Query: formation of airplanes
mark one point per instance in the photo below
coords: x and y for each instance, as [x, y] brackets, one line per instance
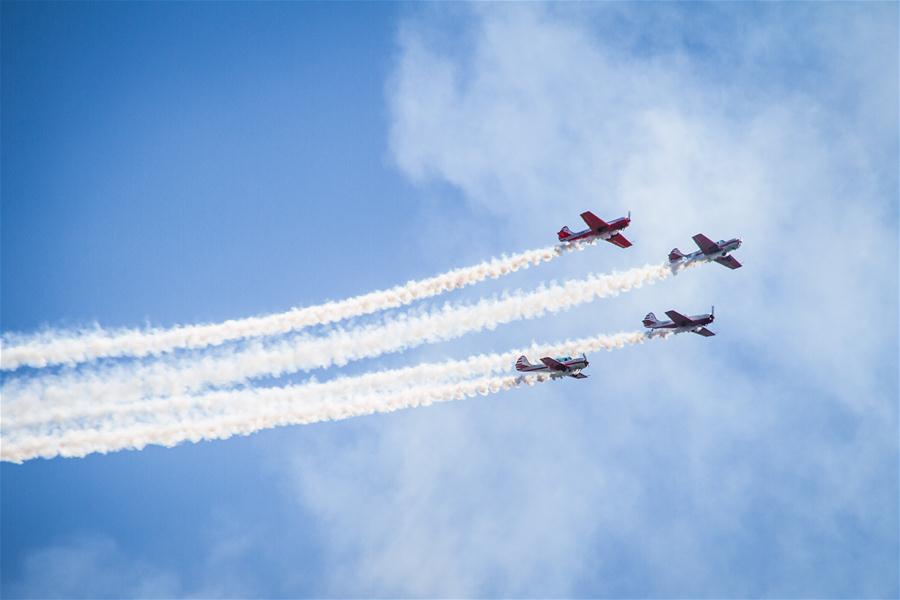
[567, 366]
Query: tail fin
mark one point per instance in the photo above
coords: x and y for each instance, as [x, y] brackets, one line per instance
[564, 234]
[522, 364]
[675, 255]
[650, 319]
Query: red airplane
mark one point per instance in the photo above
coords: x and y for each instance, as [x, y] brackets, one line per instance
[600, 229]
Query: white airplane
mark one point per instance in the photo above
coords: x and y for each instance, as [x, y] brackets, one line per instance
[709, 250]
[681, 323]
[561, 366]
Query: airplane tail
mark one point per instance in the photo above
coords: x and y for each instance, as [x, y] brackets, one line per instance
[522, 364]
[675, 255]
[564, 233]
[650, 319]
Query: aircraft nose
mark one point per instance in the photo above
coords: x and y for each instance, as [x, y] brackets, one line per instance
[739, 242]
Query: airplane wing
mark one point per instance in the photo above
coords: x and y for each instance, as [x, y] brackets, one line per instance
[578, 375]
[729, 261]
[707, 245]
[679, 319]
[704, 332]
[553, 365]
[593, 221]
[619, 240]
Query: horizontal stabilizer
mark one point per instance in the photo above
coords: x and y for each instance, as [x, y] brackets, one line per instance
[675, 255]
[729, 261]
[619, 240]
[704, 332]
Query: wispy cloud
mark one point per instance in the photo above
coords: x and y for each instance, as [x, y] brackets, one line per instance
[756, 464]
[89, 567]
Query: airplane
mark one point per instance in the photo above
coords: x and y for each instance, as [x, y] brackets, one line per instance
[709, 250]
[680, 323]
[600, 229]
[561, 366]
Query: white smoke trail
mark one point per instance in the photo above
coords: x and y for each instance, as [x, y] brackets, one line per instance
[70, 348]
[280, 409]
[176, 376]
[117, 415]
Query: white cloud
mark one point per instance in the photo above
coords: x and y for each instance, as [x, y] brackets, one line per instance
[89, 567]
[99, 566]
[762, 462]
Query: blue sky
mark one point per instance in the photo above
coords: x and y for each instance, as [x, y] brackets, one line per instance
[178, 163]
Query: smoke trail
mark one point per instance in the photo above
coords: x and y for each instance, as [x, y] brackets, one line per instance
[114, 415]
[179, 375]
[71, 348]
[280, 409]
